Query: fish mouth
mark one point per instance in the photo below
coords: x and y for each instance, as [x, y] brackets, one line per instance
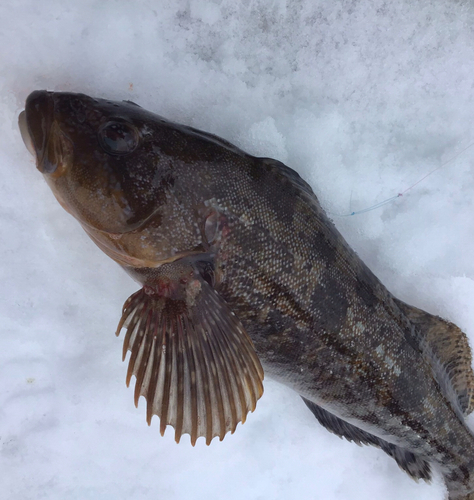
[41, 134]
[25, 133]
[35, 123]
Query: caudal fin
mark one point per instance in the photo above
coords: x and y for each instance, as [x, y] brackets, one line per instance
[448, 351]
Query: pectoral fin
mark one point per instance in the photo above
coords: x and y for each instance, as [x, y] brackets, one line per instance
[193, 361]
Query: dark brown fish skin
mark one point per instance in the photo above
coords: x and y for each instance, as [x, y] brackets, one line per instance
[320, 321]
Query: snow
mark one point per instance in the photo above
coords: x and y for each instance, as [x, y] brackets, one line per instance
[363, 98]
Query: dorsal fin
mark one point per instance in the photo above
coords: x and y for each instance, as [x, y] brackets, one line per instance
[450, 346]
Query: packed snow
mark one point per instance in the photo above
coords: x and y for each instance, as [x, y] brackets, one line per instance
[363, 98]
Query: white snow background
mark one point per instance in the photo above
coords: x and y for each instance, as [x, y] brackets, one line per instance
[363, 98]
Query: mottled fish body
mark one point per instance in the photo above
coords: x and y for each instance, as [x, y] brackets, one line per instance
[242, 274]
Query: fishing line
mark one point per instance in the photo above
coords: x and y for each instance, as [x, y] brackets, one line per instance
[401, 193]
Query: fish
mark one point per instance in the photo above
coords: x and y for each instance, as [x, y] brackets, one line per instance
[243, 275]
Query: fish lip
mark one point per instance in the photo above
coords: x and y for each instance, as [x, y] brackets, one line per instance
[25, 133]
[36, 122]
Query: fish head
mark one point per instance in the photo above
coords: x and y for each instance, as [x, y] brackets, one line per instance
[93, 153]
[101, 160]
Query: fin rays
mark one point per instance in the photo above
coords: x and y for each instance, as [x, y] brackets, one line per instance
[195, 365]
[450, 354]
[414, 465]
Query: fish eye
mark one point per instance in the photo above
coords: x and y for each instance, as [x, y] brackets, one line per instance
[118, 138]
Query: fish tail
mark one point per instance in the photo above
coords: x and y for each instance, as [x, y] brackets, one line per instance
[450, 356]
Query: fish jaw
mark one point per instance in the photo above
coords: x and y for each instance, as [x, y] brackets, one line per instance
[45, 140]
[35, 123]
[132, 251]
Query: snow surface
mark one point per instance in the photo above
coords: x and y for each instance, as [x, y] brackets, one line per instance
[363, 98]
